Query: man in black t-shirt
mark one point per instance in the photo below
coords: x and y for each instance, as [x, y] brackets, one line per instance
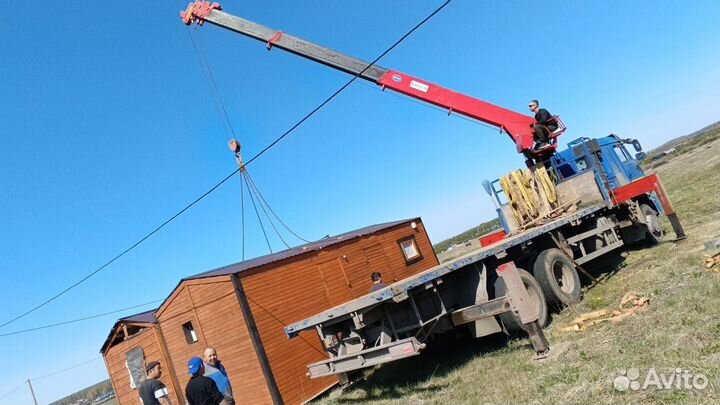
[152, 391]
[544, 126]
[201, 390]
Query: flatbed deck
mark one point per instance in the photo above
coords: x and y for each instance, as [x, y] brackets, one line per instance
[399, 288]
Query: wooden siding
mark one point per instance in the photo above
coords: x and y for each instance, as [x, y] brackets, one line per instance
[301, 287]
[212, 307]
[115, 362]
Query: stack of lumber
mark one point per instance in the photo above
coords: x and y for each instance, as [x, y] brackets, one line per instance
[533, 196]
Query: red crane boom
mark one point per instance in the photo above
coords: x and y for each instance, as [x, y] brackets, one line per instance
[517, 126]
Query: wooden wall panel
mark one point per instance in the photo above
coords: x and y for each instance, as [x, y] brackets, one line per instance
[212, 307]
[278, 294]
[115, 360]
[224, 329]
[297, 288]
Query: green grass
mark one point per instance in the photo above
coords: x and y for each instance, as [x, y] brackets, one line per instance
[681, 328]
[472, 233]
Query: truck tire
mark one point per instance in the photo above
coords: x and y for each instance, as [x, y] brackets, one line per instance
[654, 233]
[509, 320]
[556, 274]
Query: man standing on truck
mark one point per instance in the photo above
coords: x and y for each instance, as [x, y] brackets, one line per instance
[544, 126]
[378, 284]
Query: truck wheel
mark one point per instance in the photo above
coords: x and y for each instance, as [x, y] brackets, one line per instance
[557, 276]
[654, 232]
[510, 321]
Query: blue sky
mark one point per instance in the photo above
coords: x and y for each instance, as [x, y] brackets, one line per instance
[107, 128]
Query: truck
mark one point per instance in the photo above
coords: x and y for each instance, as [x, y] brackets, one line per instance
[507, 285]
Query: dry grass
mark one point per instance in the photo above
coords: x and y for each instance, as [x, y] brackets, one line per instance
[680, 329]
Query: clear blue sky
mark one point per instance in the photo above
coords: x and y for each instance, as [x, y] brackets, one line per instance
[107, 128]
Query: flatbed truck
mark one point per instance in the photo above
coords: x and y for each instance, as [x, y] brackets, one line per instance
[508, 285]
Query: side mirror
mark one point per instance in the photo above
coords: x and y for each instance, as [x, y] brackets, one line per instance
[636, 145]
[640, 156]
[487, 187]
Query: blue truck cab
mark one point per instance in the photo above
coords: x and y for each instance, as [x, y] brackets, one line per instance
[612, 164]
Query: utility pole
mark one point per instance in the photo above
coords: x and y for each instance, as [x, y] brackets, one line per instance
[32, 392]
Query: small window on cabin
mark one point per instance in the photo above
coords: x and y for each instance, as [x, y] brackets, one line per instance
[410, 250]
[190, 335]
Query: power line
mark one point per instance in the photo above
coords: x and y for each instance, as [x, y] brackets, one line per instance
[349, 82]
[76, 320]
[66, 369]
[263, 151]
[12, 390]
[123, 253]
[49, 375]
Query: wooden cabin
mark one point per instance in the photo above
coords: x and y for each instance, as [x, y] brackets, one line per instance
[134, 341]
[241, 310]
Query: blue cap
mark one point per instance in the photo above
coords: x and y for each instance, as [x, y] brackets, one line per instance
[194, 365]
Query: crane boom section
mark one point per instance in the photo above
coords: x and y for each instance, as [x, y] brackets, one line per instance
[517, 126]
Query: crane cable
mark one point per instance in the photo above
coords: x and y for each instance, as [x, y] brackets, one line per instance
[257, 213]
[250, 188]
[212, 86]
[221, 182]
[257, 190]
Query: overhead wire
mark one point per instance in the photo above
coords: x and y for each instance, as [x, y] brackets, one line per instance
[123, 253]
[17, 332]
[50, 375]
[66, 369]
[226, 178]
[13, 390]
[348, 83]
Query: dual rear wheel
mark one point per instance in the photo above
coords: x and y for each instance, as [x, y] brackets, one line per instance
[554, 281]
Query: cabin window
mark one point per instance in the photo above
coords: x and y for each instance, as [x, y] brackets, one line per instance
[410, 250]
[190, 335]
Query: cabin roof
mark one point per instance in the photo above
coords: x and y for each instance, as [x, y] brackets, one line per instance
[298, 250]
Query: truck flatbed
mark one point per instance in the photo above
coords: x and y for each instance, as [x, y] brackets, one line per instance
[396, 291]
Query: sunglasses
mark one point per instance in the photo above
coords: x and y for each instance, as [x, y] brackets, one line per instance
[532, 106]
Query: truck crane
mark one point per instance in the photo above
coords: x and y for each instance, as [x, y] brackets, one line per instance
[518, 127]
[507, 285]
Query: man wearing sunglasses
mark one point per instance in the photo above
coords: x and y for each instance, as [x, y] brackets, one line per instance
[544, 126]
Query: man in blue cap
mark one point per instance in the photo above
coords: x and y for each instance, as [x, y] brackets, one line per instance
[201, 390]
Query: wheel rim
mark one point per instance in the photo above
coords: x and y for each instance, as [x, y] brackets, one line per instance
[563, 277]
[534, 296]
[653, 225]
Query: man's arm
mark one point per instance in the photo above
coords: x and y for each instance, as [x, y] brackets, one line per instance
[164, 401]
[223, 402]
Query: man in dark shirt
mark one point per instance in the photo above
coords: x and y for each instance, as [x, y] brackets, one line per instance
[544, 126]
[377, 282]
[152, 391]
[201, 390]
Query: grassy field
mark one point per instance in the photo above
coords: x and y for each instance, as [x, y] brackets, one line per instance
[680, 330]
